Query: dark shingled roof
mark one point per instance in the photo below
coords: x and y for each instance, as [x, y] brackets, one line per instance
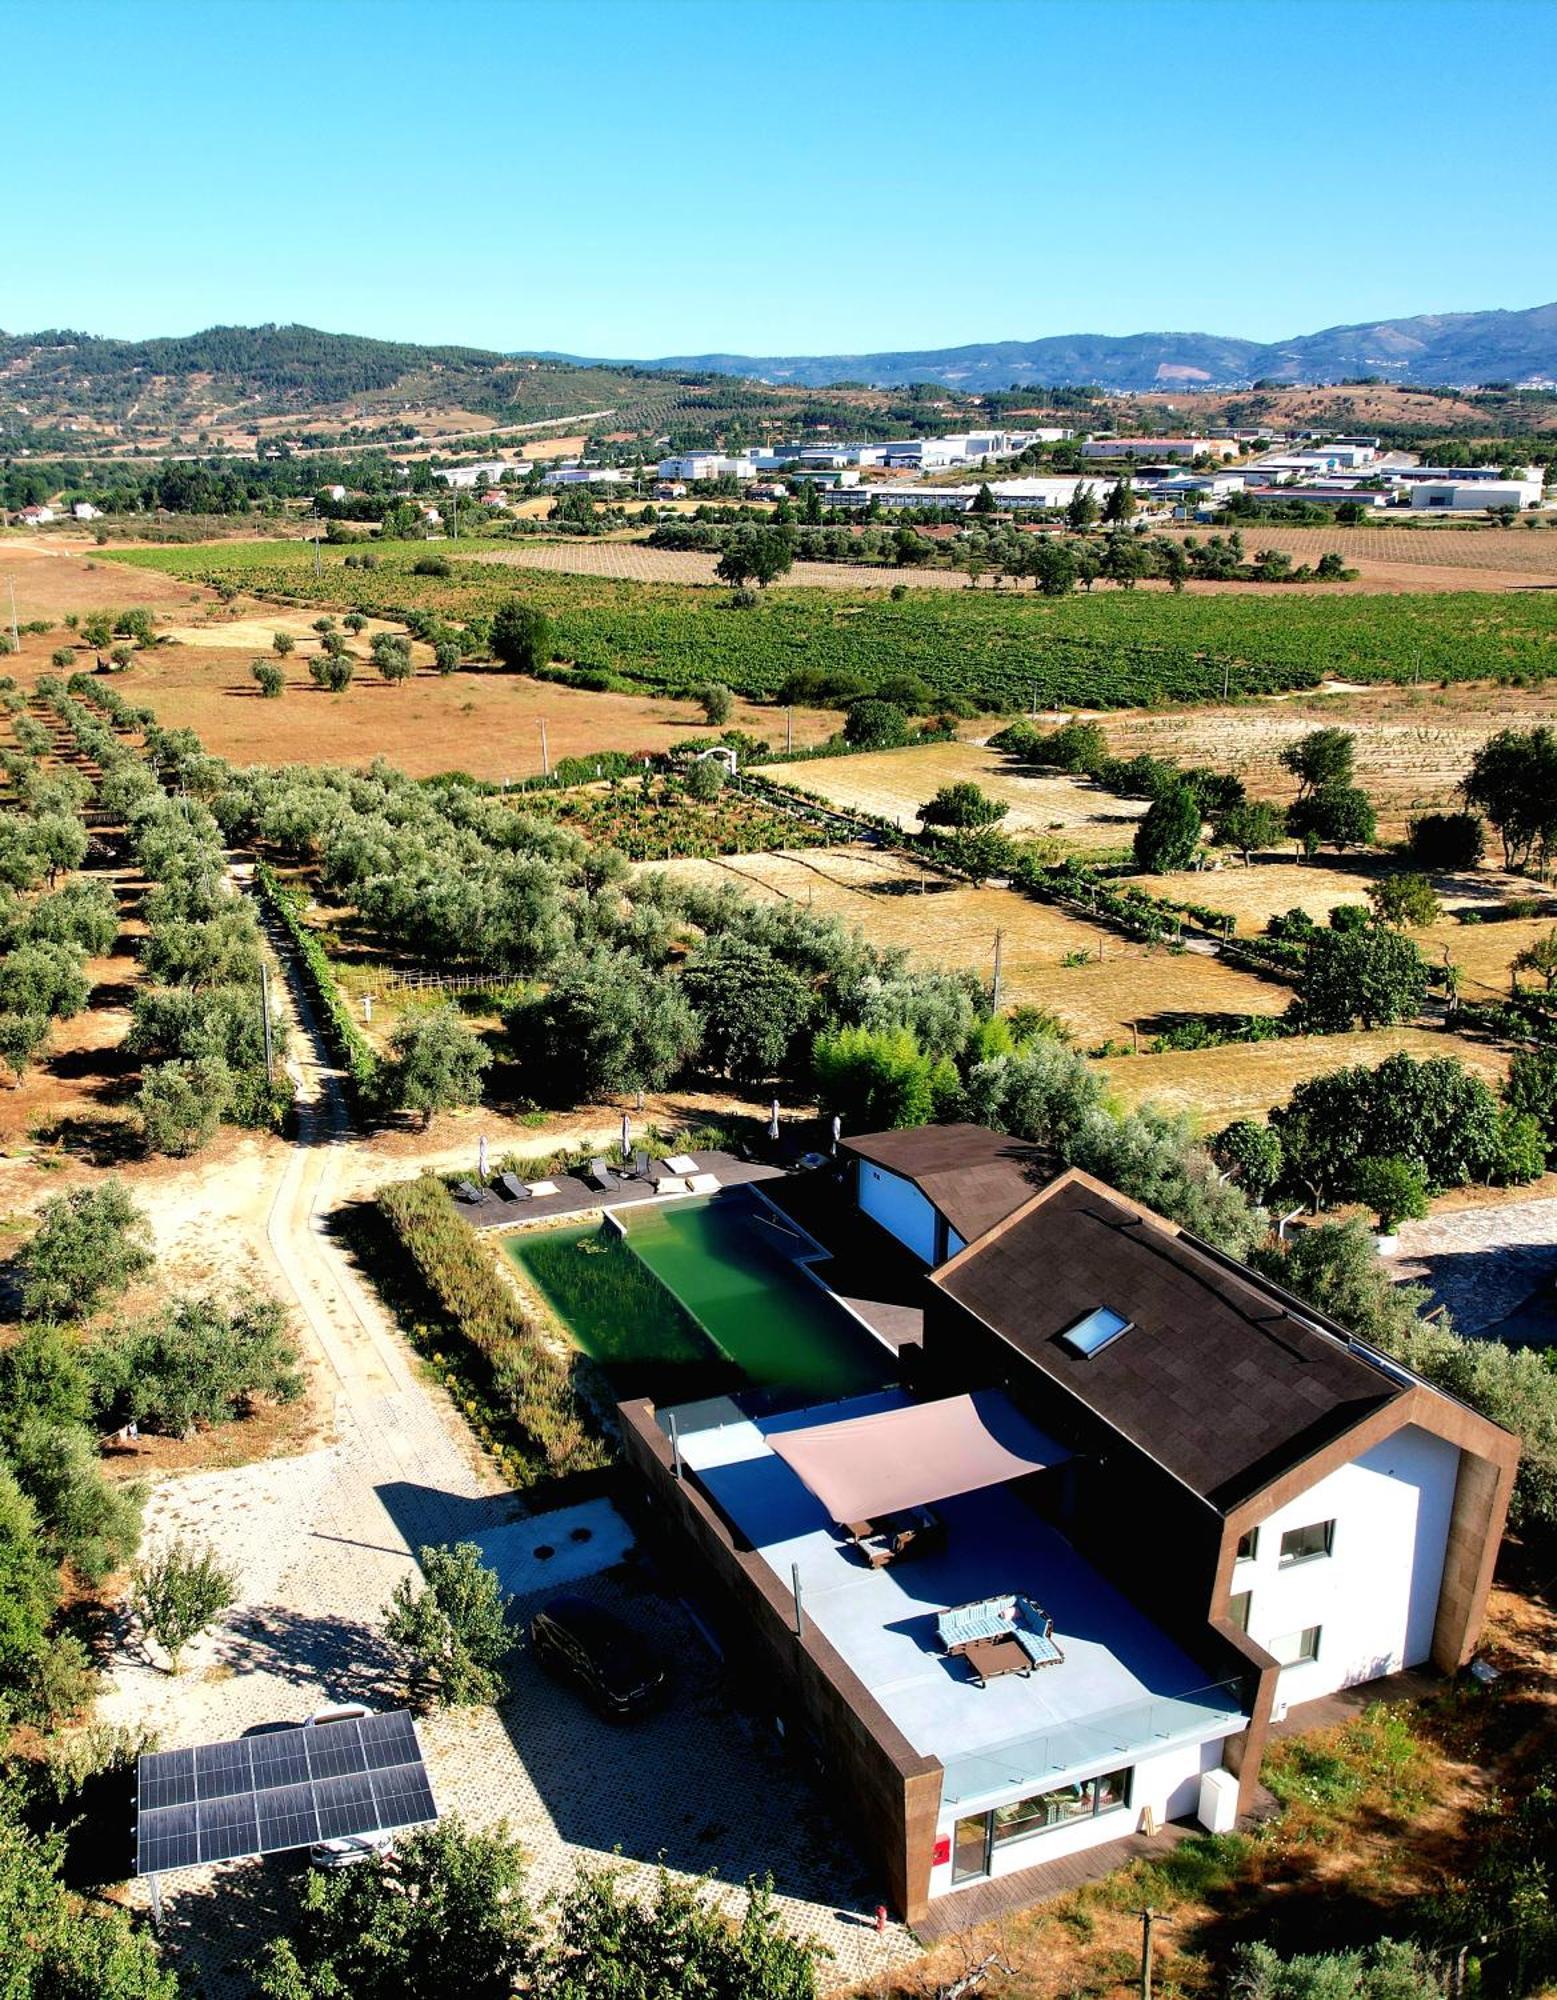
[973, 1176]
[1219, 1379]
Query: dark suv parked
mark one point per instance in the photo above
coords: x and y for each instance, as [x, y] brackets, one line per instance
[613, 1667]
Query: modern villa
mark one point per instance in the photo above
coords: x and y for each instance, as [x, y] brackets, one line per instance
[1121, 1503]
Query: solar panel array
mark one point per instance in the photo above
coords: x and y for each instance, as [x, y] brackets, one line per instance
[264, 1794]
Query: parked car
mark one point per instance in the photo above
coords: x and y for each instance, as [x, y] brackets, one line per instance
[589, 1645]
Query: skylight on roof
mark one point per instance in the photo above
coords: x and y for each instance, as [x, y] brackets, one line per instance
[1093, 1333]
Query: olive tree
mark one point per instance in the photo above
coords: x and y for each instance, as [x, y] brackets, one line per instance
[89, 1246]
[436, 1063]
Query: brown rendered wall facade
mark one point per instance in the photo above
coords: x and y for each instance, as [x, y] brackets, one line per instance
[890, 1790]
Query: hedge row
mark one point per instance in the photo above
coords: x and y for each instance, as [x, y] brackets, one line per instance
[350, 1044]
[530, 1377]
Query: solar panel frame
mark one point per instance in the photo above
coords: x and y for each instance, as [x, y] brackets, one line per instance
[402, 1796]
[165, 1778]
[288, 1818]
[284, 1789]
[229, 1826]
[280, 1759]
[335, 1751]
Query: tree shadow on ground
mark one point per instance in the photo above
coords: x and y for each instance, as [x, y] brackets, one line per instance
[100, 1139]
[348, 1657]
[218, 1921]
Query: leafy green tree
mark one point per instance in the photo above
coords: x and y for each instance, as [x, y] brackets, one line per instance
[29, 1587]
[1540, 956]
[60, 1947]
[1320, 760]
[89, 1246]
[716, 701]
[1338, 816]
[522, 636]
[1082, 509]
[179, 1592]
[84, 1520]
[1531, 1088]
[1126, 560]
[436, 1062]
[963, 806]
[446, 654]
[1251, 1153]
[21, 1038]
[1052, 566]
[704, 779]
[1396, 1191]
[612, 1944]
[392, 656]
[1406, 901]
[83, 914]
[1168, 836]
[1513, 779]
[1249, 828]
[181, 1104]
[1375, 978]
[874, 1079]
[453, 1632]
[1119, 503]
[272, 681]
[871, 724]
[333, 672]
[753, 1009]
[44, 978]
[443, 1914]
[355, 623]
[1437, 1114]
[283, 644]
[1074, 746]
[194, 1363]
[609, 1023]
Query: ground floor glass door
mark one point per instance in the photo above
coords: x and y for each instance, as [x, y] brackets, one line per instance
[970, 1848]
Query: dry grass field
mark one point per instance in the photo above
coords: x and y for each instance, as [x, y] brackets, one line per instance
[1414, 745]
[1119, 988]
[626, 561]
[53, 578]
[895, 783]
[1215, 1086]
[486, 724]
[1254, 895]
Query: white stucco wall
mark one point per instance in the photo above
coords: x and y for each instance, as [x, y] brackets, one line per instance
[899, 1207]
[1376, 1594]
[1169, 1784]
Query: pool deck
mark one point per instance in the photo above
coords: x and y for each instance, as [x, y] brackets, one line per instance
[577, 1197]
[879, 1281]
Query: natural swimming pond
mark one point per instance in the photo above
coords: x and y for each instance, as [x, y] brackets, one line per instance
[698, 1297]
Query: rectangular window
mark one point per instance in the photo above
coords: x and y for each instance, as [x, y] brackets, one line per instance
[1301, 1545]
[1064, 1806]
[1238, 1609]
[1293, 1648]
[1091, 1334]
[1248, 1545]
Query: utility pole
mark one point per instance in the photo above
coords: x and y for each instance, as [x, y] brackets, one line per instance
[994, 992]
[545, 759]
[16, 637]
[318, 562]
[1149, 1918]
[789, 729]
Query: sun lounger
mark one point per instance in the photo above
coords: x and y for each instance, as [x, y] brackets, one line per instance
[703, 1183]
[513, 1187]
[600, 1174]
[681, 1163]
[671, 1184]
[468, 1191]
[540, 1188]
[640, 1166]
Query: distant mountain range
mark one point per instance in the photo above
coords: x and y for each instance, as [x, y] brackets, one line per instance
[1432, 350]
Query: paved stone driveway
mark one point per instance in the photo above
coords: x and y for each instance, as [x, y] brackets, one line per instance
[1484, 1264]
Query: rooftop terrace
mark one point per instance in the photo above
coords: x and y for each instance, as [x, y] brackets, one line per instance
[1124, 1689]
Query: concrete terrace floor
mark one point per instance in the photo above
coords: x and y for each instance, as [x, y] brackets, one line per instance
[883, 1621]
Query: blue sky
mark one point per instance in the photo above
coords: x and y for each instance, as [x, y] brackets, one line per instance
[817, 176]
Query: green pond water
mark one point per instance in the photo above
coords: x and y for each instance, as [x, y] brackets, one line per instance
[697, 1299]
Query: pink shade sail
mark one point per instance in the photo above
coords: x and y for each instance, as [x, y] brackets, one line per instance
[864, 1467]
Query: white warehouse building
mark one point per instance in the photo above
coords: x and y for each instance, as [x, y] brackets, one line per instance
[1455, 494]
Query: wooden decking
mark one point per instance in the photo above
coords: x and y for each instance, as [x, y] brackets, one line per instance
[982, 1902]
[1413, 1684]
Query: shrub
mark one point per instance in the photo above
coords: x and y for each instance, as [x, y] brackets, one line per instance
[1167, 837]
[272, 681]
[1407, 901]
[1396, 1191]
[530, 1372]
[521, 636]
[962, 806]
[1447, 842]
[431, 566]
[1251, 1154]
[716, 701]
[195, 1363]
[871, 724]
[180, 1104]
[437, 1063]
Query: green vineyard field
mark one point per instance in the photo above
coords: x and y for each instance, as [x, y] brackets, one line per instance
[1002, 650]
